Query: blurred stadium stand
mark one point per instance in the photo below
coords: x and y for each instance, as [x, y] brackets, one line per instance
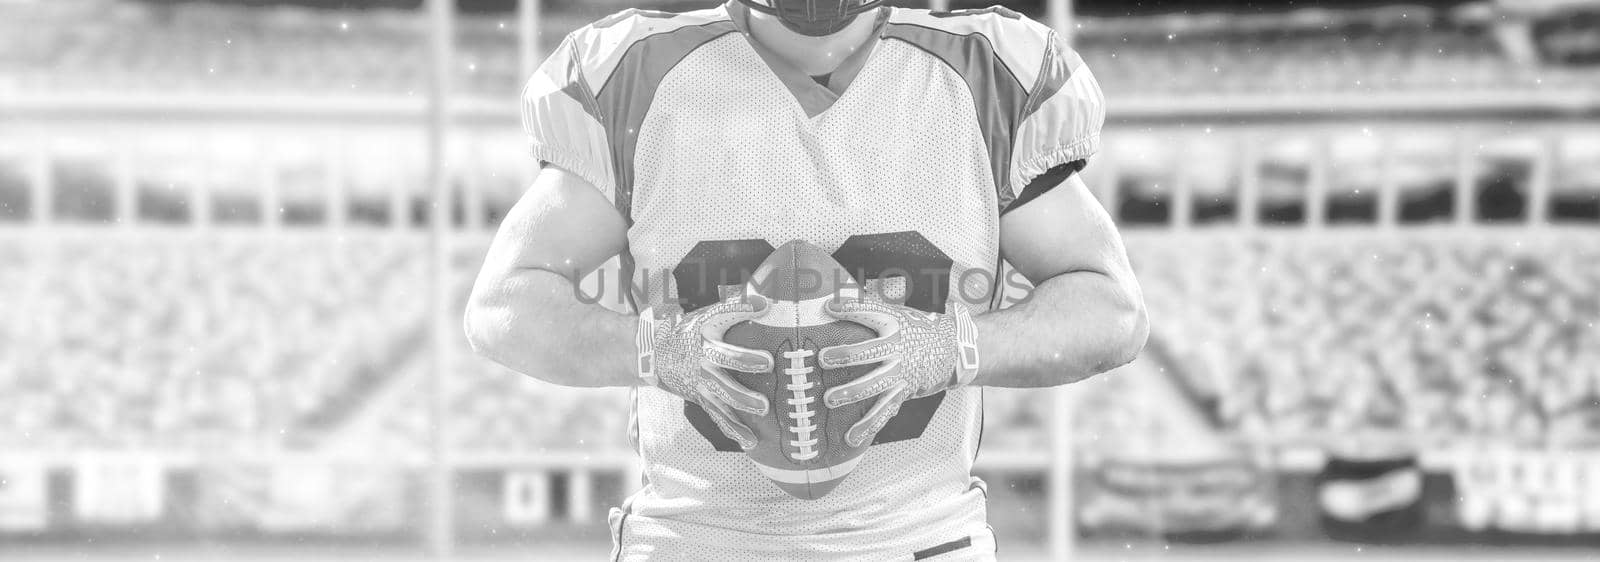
[1317, 270]
[122, 47]
[1458, 335]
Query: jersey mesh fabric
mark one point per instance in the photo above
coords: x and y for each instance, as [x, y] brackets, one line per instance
[727, 154]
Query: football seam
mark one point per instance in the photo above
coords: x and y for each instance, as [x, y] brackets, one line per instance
[801, 413]
[804, 440]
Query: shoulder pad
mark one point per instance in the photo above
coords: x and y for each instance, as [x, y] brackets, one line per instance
[1019, 42]
[600, 46]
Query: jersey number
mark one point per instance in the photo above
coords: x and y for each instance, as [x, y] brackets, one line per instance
[709, 266]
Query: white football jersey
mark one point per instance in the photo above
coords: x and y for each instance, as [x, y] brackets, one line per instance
[716, 152]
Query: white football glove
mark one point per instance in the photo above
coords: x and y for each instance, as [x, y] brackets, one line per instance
[920, 354]
[684, 354]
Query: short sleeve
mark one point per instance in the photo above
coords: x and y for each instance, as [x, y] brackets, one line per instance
[562, 121]
[1062, 119]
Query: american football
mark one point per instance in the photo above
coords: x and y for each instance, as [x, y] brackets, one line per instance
[800, 442]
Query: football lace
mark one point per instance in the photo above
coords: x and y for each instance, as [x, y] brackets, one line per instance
[802, 414]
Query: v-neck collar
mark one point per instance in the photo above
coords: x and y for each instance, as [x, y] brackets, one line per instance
[815, 99]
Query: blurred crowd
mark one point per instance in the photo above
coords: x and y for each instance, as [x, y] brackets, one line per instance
[173, 340]
[1411, 54]
[230, 342]
[101, 47]
[1464, 334]
[131, 47]
[498, 410]
[246, 342]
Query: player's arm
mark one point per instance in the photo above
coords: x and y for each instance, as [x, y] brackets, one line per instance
[1086, 313]
[524, 311]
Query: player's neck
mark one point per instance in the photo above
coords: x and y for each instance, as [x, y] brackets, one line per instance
[815, 56]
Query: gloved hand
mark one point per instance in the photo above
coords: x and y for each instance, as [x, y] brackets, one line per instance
[683, 353]
[919, 354]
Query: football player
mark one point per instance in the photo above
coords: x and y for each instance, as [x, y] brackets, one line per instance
[690, 144]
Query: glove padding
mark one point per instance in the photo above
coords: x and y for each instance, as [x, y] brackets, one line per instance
[683, 353]
[920, 354]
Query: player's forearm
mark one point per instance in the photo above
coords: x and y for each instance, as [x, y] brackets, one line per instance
[1073, 326]
[532, 322]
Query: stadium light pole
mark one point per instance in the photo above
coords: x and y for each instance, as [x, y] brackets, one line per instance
[1059, 14]
[1062, 533]
[528, 36]
[441, 15]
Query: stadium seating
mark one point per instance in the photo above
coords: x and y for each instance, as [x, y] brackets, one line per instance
[87, 46]
[207, 49]
[1487, 335]
[1333, 60]
[494, 410]
[176, 340]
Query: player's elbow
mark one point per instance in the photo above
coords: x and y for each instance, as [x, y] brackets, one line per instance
[488, 331]
[1134, 331]
[478, 327]
[1126, 330]
[511, 337]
